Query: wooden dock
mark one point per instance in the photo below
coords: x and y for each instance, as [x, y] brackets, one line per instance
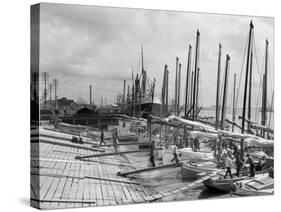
[66, 182]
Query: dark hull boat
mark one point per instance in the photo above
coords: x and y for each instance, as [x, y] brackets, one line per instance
[221, 185]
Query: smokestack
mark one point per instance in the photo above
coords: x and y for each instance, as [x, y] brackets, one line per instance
[90, 94]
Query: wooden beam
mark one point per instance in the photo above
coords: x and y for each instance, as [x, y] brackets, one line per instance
[78, 146]
[64, 201]
[112, 180]
[113, 153]
[124, 174]
[122, 144]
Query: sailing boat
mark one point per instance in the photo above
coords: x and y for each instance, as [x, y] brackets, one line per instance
[141, 102]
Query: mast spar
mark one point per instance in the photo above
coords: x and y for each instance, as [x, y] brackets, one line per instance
[246, 85]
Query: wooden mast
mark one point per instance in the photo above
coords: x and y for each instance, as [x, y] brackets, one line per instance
[233, 103]
[176, 86]
[224, 99]
[264, 102]
[195, 74]
[191, 92]
[179, 89]
[163, 94]
[250, 92]
[186, 105]
[123, 99]
[197, 92]
[167, 89]
[245, 86]
[218, 89]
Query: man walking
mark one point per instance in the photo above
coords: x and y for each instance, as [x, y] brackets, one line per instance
[239, 163]
[228, 165]
[102, 137]
[151, 153]
[115, 139]
[252, 165]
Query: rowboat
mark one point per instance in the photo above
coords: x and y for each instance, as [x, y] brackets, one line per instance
[218, 184]
[192, 170]
[257, 186]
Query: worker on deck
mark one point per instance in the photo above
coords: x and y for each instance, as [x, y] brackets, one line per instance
[115, 137]
[228, 165]
[239, 163]
[151, 153]
[176, 154]
[259, 166]
[196, 144]
[80, 139]
[102, 137]
[250, 160]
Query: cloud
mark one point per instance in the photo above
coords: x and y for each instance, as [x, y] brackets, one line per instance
[83, 45]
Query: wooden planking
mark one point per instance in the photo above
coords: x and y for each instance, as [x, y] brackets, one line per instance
[60, 161]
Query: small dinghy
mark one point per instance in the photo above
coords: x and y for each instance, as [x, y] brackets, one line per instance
[218, 184]
[255, 186]
[193, 170]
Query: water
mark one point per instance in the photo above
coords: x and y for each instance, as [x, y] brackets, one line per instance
[255, 115]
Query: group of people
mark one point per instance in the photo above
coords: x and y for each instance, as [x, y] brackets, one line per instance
[77, 140]
[115, 139]
[228, 153]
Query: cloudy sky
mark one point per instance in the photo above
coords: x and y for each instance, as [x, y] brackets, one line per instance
[83, 45]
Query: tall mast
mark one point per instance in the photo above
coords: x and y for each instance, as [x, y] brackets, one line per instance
[250, 91]
[167, 89]
[246, 85]
[45, 88]
[218, 89]
[264, 117]
[123, 99]
[186, 105]
[176, 86]
[133, 100]
[195, 74]
[90, 94]
[191, 91]
[163, 94]
[56, 97]
[50, 87]
[143, 85]
[197, 91]
[224, 99]
[179, 88]
[233, 103]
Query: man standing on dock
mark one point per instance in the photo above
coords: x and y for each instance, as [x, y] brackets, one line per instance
[239, 163]
[151, 152]
[228, 164]
[102, 137]
[176, 154]
[250, 160]
[115, 139]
